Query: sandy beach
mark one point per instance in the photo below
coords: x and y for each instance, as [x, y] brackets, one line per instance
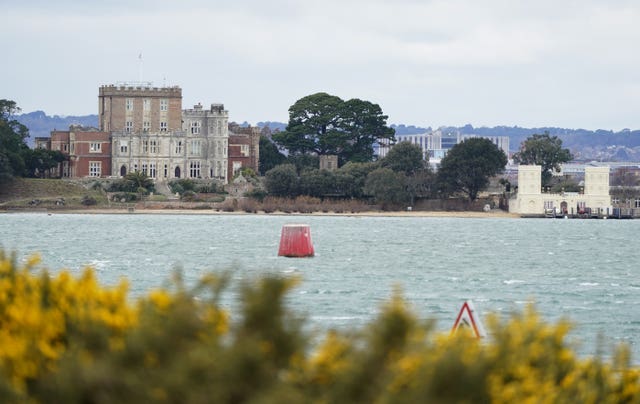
[137, 211]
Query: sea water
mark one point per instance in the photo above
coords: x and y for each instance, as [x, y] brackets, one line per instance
[583, 270]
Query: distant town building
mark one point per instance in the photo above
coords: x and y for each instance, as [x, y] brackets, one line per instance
[435, 144]
[428, 142]
[501, 141]
[381, 147]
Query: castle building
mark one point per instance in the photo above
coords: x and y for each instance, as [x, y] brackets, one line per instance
[208, 136]
[139, 108]
[244, 143]
[89, 152]
[151, 133]
[144, 128]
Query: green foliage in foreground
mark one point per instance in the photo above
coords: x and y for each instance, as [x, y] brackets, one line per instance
[66, 339]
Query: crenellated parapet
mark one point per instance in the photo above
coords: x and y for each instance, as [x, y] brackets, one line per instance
[138, 90]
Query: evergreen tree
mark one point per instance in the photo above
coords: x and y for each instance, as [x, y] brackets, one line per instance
[468, 166]
[13, 144]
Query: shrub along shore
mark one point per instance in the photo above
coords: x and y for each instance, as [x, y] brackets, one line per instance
[62, 196]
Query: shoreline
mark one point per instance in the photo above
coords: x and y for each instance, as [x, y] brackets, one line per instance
[136, 211]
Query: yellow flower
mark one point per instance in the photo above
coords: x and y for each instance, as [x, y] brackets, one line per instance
[160, 299]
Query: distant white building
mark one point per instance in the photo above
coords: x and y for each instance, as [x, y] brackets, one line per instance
[436, 144]
[501, 141]
[530, 200]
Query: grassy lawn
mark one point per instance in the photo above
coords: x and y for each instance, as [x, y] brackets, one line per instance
[22, 192]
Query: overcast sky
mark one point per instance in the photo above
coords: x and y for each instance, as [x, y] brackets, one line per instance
[573, 64]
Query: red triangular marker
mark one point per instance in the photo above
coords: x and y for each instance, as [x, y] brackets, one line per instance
[467, 318]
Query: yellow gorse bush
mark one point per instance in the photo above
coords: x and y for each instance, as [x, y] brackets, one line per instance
[65, 338]
[38, 313]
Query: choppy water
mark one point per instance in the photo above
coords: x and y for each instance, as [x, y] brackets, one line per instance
[586, 270]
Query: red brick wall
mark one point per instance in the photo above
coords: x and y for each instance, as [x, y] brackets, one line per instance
[79, 151]
[83, 155]
[235, 152]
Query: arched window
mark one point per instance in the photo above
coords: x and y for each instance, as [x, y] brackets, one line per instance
[123, 171]
[177, 172]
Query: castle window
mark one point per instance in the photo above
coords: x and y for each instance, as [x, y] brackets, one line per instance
[95, 147]
[195, 147]
[95, 168]
[128, 126]
[637, 203]
[195, 128]
[144, 168]
[237, 165]
[129, 104]
[145, 146]
[146, 104]
[153, 145]
[164, 104]
[194, 169]
[179, 147]
[146, 125]
[152, 170]
[123, 147]
[163, 126]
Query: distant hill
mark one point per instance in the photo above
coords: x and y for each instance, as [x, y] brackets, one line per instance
[40, 124]
[273, 125]
[604, 145]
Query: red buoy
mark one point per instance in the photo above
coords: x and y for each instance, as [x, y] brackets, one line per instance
[295, 241]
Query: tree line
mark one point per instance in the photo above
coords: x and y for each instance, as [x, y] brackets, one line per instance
[321, 124]
[324, 124]
[16, 158]
[397, 179]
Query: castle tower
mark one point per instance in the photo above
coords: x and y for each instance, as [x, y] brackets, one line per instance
[139, 108]
[207, 133]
